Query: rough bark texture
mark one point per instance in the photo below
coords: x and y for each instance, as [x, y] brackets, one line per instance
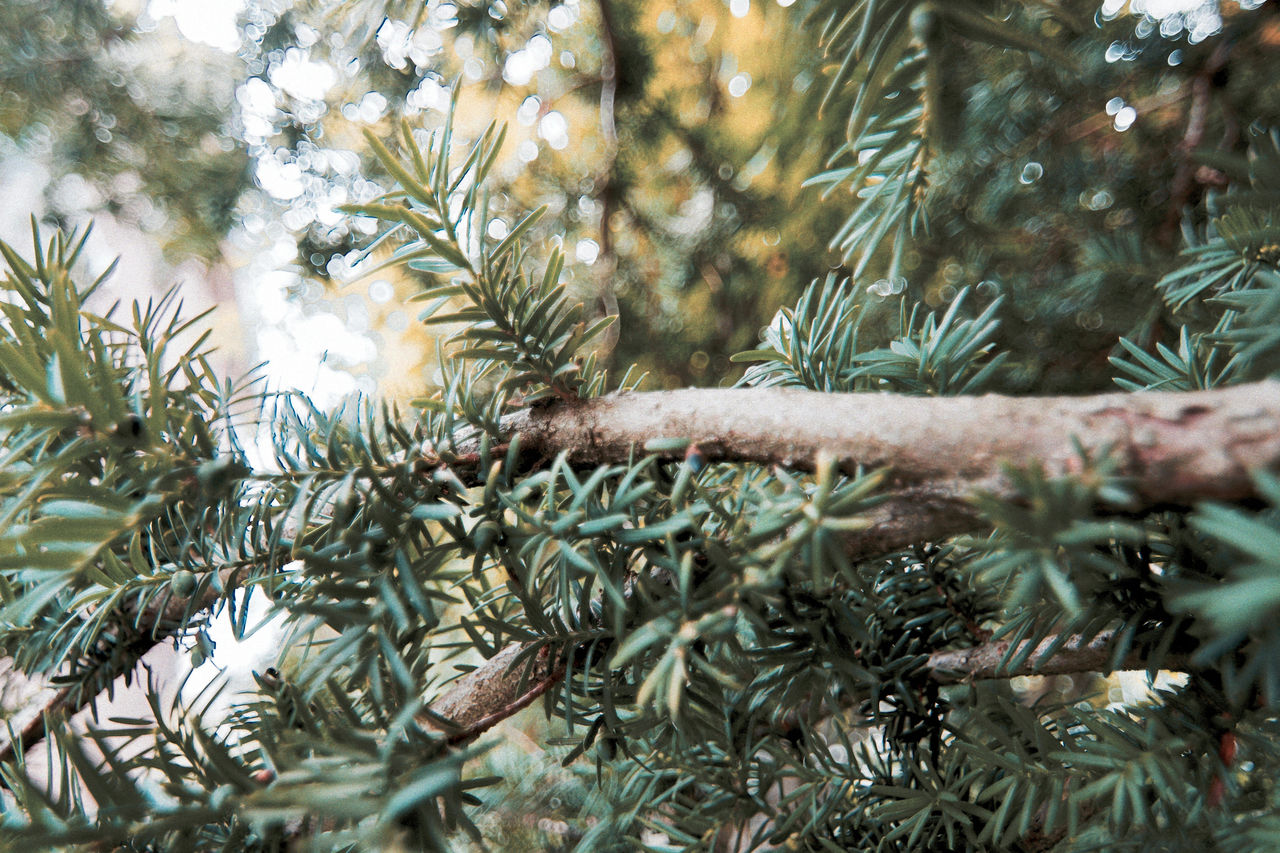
[496, 690]
[1074, 655]
[1176, 447]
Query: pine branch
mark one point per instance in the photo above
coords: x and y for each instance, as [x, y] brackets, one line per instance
[1176, 447]
[1173, 448]
[162, 621]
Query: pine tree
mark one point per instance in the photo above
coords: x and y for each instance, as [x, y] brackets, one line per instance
[864, 600]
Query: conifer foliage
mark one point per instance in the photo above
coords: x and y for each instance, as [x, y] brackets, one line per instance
[747, 636]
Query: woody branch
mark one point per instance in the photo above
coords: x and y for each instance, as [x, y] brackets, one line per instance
[1175, 448]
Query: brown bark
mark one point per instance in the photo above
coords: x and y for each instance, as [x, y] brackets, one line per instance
[983, 662]
[1175, 448]
[496, 690]
[1182, 187]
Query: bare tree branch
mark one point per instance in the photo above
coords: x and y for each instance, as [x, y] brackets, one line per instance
[1175, 448]
[497, 690]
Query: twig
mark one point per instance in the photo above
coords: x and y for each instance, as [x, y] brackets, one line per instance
[499, 688]
[33, 732]
[161, 621]
[496, 690]
[1180, 189]
[609, 190]
[608, 78]
[1073, 656]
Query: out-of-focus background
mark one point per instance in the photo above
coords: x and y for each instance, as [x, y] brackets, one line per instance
[210, 142]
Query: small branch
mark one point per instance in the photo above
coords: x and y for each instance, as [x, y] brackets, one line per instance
[608, 259]
[496, 690]
[34, 731]
[1183, 184]
[1074, 656]
[161, 621]
[608, 78]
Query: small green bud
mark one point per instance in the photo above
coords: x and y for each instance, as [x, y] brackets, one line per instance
[183, 583]
[130, 428]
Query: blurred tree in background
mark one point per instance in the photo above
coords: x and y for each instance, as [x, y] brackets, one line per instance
[669, 124]
[130, 126]
[774, 616]
[696, 162]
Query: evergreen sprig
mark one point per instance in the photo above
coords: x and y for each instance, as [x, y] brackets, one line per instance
[515, 318]
[892, 87]
[816, 346]
[1243, 237]
[115, 441]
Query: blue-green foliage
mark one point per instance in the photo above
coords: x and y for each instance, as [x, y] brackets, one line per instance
[741, 679]
[1231, 278]
[817, 346]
